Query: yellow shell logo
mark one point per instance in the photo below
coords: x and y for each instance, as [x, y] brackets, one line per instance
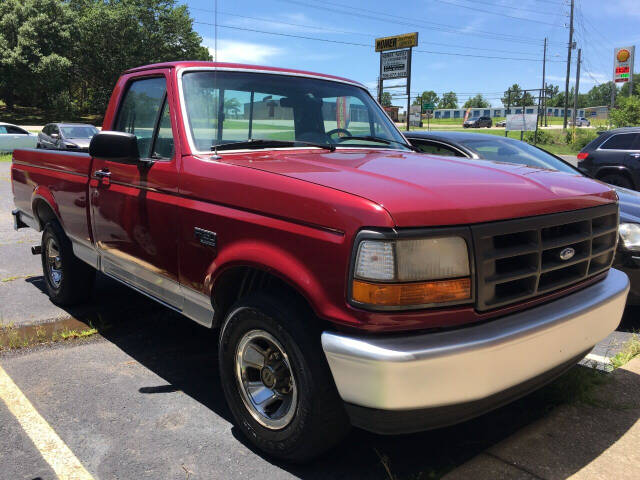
[623, 55]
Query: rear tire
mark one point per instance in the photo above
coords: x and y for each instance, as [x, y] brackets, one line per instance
[68, 279]
[617, 179]
[301, 415]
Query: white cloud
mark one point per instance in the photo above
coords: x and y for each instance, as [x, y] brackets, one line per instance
[243, 52]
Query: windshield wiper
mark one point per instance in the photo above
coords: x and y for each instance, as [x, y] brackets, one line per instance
[378, 139]
[265, 143]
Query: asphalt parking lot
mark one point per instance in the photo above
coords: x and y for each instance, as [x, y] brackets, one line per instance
[142, 398]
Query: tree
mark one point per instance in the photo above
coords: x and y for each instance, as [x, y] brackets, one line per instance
[64, 54]
[477, 102]
[428, 96]
[386, 99]
[517, 97]
[35, 51]
[624, 90]
[627, 112]
[115, 35]
[448, 100]
[599, 95]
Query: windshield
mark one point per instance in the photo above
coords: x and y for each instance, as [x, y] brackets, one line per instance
[79, 131]
[226, 107]
[516, 152]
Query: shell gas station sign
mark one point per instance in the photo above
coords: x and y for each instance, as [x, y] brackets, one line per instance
[623, 64]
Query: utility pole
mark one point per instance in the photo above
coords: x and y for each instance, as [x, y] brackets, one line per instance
[575, 97]
[566, 84]
[506, 133]
[409, 89]
[544, 85]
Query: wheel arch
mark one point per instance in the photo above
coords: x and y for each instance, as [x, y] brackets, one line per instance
[270, 268]
[44, 207]
[616, 169]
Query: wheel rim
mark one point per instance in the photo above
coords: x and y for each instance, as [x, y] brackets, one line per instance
[54, 262]
[266, 383]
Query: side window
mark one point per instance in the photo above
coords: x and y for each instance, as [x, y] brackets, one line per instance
[139, 111]
[436, 149]
[16, 130]
[619, 142]
[163, 145]
[3, 129]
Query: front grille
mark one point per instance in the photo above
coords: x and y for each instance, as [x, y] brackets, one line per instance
[520, 259]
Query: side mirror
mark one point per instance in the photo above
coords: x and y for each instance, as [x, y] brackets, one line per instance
[55, 136]
[115, 146]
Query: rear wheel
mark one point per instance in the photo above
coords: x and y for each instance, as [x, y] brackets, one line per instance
[617, 179]
[276, 379]
[68, 279]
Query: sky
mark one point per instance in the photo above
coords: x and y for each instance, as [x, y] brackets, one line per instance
[465, 46]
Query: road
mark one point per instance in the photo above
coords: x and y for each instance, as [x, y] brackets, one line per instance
[142, 399]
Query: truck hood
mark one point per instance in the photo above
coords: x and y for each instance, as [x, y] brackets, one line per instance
[423, 190]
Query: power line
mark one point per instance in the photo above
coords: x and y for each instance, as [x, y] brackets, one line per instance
[351, 32]
[519, 9]
[494, 13]
[433, 52]
[371, 14]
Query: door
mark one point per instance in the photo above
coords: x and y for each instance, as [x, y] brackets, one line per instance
[134, 218]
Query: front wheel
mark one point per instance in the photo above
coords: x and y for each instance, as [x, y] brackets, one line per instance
[68, 279]
[276, 379]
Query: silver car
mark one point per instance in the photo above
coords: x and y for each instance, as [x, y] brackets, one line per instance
[12, 137]
[66, 136]
[581, 122]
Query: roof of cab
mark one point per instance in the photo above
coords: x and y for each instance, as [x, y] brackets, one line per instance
[240, 66]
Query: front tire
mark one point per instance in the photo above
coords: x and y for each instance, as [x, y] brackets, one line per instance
[277, 381]
[68, 279]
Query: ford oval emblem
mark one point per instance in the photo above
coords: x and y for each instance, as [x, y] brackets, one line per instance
[567, 253]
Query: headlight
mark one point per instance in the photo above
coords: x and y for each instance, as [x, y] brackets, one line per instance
[630, 236]
[411, 272]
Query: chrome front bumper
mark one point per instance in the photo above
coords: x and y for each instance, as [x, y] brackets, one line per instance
[428, 370]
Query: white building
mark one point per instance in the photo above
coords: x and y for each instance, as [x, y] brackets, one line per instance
[501, 112]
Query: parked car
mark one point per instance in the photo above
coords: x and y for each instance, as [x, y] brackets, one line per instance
[581, 122]
[351, 281]
[614, 157]
[478, 122]
[66, 136]
[501, 123]
[12, 137]
[501, 149]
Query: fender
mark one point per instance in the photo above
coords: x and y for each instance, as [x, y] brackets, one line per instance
[275, 260]
[42, 193]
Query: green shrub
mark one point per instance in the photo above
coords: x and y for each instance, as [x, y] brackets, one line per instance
[544, 137]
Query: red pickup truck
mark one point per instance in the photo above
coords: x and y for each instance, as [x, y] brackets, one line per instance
[353, 281]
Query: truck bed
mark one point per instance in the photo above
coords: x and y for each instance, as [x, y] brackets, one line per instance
[62, 179]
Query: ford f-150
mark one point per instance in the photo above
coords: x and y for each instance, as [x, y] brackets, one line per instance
[352, 281]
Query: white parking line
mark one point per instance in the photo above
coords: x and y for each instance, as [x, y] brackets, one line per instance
[54, 451]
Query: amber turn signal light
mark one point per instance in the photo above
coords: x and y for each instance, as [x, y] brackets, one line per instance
[415, 293]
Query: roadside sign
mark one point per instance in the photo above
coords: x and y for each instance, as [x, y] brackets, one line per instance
[521, 122]
[395, 64]
[623, 64]
[396, 42]
[428, 107]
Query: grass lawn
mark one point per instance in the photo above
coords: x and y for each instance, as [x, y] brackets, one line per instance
[5, 157]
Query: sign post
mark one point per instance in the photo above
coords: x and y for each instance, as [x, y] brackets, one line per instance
[428, 109]
[395, 62]
[623, 65]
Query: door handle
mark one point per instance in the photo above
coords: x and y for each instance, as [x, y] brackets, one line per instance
[103, 175]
